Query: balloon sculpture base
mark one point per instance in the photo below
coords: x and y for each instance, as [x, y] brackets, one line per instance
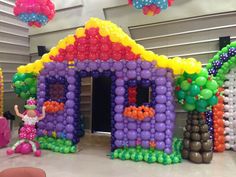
[150, 155]
[25, 148]
[57, 144]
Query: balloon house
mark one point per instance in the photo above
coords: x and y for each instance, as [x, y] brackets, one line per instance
[138, 132]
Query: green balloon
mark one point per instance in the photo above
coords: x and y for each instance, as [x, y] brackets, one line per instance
[17, 91]
[203, 73]
[199, 109]
[225, 50]
[22, 77]
[15, 77]
[233, 44]
[194, 89]
[206, 94]
[216, 57]
[190, 100]
[24, 88]
[209, 65]
[180, 79]
[213, 100]
[185, 85]
[29, 81]
[189, 107]
[180, 94]
[33, 90]
[212, 85]
[200, 81]
[18, 84]
[201, 103]
[23, 95]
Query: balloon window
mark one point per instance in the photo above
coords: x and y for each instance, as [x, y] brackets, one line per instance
[151, 7]
[140, 132]
[34, 12]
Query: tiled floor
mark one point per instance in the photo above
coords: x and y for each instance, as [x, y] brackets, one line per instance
[92, 161]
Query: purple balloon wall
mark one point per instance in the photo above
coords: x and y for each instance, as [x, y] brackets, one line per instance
[126, 132]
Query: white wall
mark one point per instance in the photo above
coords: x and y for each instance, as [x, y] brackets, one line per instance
[188, 28]
[14, 50]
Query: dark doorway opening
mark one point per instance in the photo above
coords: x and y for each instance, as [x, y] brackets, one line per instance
[101, 104]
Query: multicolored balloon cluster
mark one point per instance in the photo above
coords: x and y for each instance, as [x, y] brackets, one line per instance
[34, 12]
[25, 85]
[104, 40]
[53, 106]
[151, 7]
[222, 63]
[196, 91]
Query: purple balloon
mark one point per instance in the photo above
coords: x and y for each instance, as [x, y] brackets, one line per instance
[42, 86]
[160, 145]
[119, 143]
[171, 108]
[145, 144]
[119, 125]
[171, 116]
[41, 125]
[119, 74]
[168, 150]
[160, 81]
[132, 135]
[120, 82]
[145, 125]
[169, 93]
[71, 72]
[131, 74]
[118, 66]
[49, 66]
[146, 65]
[118, 117]
[131, 65]
[119, 108]
[161, 90]
[168, 141]
[69, 128]
[70, 112]
[119, 100]
[81, 65]
[60, 118]
[71, 80]
[145, 135]
[160, 117]
[120, 91]
[161, 72]
[160, 108]
[119, 134]
[132, 126]
[70, 119]
[69, 136]
[40, 101]
[59, 127]
[71, 88]
[160, 99]
[160, 136]
[105, 65]
[70, 95]
[132, 143]
[92, 65]
[160, 127]
[169, 133]
[146, 74]
[42, 94]
[50, 126]
[70, 103]
[59, 66]
[62, 73]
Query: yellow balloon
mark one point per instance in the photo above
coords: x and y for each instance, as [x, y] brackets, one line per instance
[80, 32]
[54, 51]
[21, 69]
[70, 39]
[61, 44]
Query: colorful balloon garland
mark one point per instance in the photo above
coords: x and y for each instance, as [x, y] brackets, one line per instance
[196, 91]
[151, 7]
[34, 12]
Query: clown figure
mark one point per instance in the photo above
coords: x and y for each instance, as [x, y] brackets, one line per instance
[28, 132]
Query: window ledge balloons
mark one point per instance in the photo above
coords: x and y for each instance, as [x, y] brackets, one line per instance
[151, 7]
[53, 106]
[34, 12]
[139, 113]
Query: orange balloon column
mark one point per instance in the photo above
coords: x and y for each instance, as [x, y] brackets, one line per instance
[218, 112]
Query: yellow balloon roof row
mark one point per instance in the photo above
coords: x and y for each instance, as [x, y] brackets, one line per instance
[116, 34]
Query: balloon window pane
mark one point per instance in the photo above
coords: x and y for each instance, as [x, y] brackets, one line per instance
[56, 91]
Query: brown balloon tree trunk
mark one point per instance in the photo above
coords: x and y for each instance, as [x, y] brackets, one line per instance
[197, 145]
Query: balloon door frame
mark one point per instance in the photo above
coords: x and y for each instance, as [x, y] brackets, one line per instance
[156, 131]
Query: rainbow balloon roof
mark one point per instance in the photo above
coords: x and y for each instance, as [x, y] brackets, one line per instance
[103, 40]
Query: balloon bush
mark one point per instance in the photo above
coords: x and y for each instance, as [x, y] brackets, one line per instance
[151, 7]
[196, 91]
[25, 85]
[34, 12]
